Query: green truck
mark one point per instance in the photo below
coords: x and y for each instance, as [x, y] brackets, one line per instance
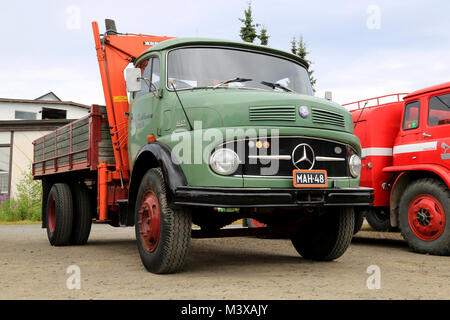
[212, 132]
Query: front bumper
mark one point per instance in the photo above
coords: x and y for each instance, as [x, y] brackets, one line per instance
[272, 197]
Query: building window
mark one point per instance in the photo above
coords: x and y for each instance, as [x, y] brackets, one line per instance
[4, 171]
[49, 114]
[23, 115]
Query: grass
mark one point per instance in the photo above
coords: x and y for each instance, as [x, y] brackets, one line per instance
[20, 222]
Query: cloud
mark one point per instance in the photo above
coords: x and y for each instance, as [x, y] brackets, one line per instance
[384, 72]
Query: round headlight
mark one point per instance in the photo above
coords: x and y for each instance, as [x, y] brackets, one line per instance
[354, 165]
[224, 162]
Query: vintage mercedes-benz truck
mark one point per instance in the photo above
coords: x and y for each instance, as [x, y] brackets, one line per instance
[212, 132]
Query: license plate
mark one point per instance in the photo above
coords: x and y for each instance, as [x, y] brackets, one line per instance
[310, 178]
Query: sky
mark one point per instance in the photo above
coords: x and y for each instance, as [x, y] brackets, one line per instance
[359, 49]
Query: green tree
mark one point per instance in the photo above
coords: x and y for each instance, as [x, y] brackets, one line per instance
[27, 203]
[248, 31]
[299, 49]
[264, 37]
[294, 46]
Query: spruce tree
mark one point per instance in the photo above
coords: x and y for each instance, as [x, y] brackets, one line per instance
[302, 53]
[248, 31]
[264, 37]
[294, 46]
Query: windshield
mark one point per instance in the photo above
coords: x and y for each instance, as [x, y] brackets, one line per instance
[190, 68]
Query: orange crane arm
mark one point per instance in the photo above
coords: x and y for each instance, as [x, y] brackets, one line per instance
[115, 51]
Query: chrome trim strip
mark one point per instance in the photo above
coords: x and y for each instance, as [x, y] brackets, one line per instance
[328, 159]
[267, 157]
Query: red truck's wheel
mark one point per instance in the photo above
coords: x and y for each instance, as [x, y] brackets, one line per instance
[325, 237]
[425, 217]
[163, 234]
[379, 218]
[59, 214]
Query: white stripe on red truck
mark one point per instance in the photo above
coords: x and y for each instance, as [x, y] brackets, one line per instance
[416, 147]
[367, 152]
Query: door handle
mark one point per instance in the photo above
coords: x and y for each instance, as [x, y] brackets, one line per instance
[426, 135]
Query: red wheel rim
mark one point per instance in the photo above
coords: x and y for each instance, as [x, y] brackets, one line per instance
[149, 222]
[52, 216]
[426, 217]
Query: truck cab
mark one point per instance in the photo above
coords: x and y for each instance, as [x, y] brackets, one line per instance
[406, 160]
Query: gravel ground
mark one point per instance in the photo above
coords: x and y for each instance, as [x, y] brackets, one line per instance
[232, 268]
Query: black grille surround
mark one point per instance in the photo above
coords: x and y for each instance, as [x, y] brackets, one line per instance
[326, 156]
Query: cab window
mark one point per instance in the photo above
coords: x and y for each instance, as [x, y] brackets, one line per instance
[412, 116]
[155, 74]
[439, 110]
[145, 69]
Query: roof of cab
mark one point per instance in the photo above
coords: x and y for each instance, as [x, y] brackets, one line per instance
[427, 90]
[183, 42]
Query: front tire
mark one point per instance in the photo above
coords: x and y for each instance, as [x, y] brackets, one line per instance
[425, 217]
[359, 221]
[326, 237]
[163, 234]
[59, 214]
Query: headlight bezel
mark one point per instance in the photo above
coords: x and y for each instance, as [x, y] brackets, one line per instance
[213, 163]
[355, 165]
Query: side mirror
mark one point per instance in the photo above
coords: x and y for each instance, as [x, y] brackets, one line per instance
[133, 79]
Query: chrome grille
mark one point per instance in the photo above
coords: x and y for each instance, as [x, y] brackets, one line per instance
[278, 113]
[320, 116]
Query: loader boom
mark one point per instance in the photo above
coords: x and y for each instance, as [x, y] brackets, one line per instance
[115, 51]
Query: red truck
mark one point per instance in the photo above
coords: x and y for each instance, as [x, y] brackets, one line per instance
[406, 160]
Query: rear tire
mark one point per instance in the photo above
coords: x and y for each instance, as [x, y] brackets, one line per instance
[82, 215]
[326, 237]
[424, 217]
[163, 234]
[379, 219]
[59, 214]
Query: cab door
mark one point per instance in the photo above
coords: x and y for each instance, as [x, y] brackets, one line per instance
[144, 117]
[407, 150]
[437, 127]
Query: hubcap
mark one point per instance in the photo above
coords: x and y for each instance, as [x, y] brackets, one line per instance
[149, 221]
[52, 216]
[426, 217]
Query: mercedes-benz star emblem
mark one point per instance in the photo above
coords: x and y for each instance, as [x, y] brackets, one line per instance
[303, 157]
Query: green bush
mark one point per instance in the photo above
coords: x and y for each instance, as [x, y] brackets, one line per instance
[27, 203]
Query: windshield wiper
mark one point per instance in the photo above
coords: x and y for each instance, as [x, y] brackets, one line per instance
[274, 85]
[232, 80]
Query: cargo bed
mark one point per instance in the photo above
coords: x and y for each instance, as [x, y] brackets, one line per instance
[79, 145]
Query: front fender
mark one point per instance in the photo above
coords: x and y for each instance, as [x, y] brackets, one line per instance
[153, 155]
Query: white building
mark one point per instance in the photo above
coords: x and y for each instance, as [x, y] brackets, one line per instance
[23, 121]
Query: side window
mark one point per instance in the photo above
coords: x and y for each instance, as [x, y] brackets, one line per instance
[412, 116]
[439, 110]
[155, 74]
[145, 67]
